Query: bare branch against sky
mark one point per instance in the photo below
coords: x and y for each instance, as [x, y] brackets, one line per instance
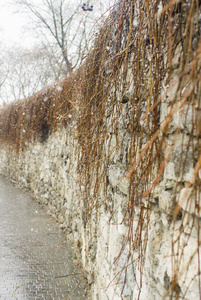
[60, 30]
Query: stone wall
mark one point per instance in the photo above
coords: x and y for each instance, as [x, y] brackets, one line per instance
[122, 176]
[49, 171]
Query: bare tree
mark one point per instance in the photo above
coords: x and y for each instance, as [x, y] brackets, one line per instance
[63, 31]
[3, 77]
[64, 25]
[58, 20]
[4, 69]
[29, 71]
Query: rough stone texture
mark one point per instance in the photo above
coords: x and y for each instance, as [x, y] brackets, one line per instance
[49, 171]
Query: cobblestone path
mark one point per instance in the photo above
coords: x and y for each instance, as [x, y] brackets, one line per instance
[36, 262]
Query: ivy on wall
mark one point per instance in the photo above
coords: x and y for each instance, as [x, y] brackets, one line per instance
[135, 94]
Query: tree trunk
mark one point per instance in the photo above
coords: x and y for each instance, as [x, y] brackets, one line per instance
[67, 62]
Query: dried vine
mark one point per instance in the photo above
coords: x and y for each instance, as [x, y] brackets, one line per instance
[145, 57]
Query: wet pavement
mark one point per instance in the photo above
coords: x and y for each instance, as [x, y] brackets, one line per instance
[36, 261]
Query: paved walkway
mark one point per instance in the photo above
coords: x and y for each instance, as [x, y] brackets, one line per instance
[36, 262]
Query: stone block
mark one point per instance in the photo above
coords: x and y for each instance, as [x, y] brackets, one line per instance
[104, 227]
[183, 118]
[114, 243]
[165, 201]
[169, 173]
[117, 179]
[187, 201]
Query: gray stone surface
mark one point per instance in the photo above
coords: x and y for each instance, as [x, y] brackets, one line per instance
[36, 262]
[98, 241]
[49, 171]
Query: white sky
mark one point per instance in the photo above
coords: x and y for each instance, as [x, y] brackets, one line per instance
[12, 26]
[15, 33]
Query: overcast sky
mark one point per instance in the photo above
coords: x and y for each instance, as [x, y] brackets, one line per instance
[16, 32]
[13, 25]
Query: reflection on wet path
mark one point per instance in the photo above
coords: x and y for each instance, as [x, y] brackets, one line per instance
[36, 262]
